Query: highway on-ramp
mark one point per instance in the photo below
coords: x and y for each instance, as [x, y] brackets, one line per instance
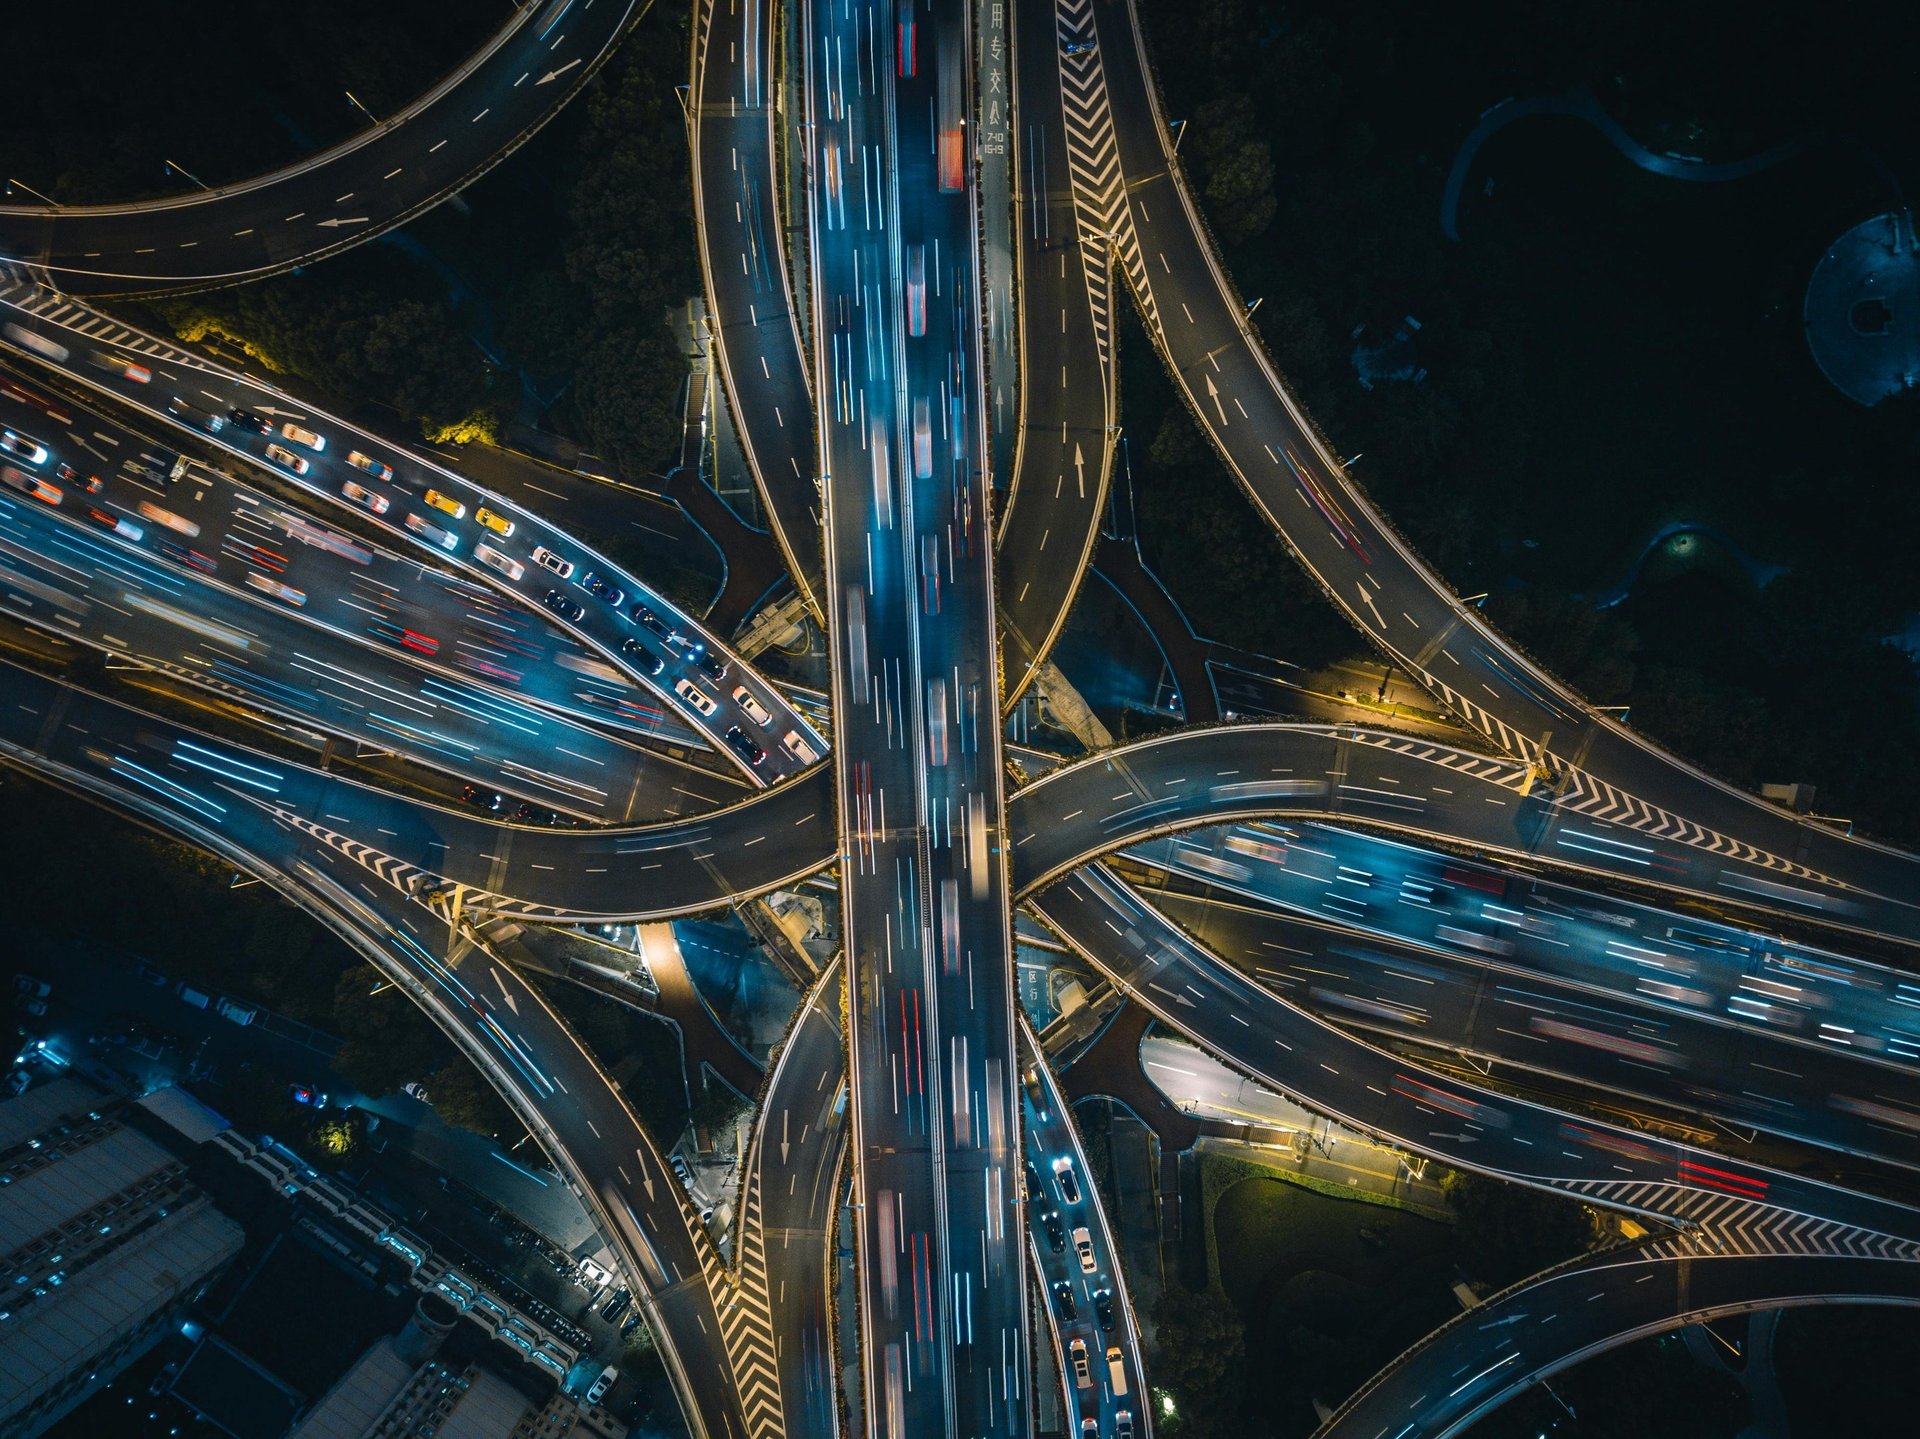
[739, 214]
[1068, 400]
[1465, 1126]
[452, 134]
[1602, 769]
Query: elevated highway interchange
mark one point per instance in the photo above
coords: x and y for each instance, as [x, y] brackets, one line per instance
[1570, 790]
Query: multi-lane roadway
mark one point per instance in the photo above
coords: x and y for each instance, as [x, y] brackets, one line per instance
[541, 57]
[740, 210]
[424, 508]
[910, 602]
[899, 449]
[1465, 1126]
[1719, 1023]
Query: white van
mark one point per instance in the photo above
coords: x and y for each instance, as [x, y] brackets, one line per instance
[1082, 1371]
[1116, 1372]
[432, 533]
[494, 560]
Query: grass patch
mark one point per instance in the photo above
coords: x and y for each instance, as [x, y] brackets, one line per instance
[1330, 1286]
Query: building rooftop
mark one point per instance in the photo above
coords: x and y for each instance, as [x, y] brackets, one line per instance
[99, 1233]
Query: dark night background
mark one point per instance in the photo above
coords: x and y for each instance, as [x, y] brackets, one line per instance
[1607, 353]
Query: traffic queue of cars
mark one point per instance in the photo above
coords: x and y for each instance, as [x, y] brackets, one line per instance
[26, 467]
[437, 529]
[1061, 1187]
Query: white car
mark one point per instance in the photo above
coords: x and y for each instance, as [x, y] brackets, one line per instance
[602, 1384]
[432, 533]
[494, 560]
[751, 707]
[548, 560]
[1083, 1246]
[369, 465]
[695, 696]
[23, 447]
[281, 455]
[361, 495]
[922, 441]
[302, 436]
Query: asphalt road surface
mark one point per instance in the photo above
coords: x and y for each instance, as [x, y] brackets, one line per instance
[460, 128]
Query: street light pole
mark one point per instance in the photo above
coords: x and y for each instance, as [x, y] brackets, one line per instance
[361, 108]
[182, 169]
[31, 191]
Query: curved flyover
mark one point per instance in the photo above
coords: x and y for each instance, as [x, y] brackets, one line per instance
[1484, 1357]
[1073, 816]
[740, 221]
[446, 139]
[1740, 1207]
[520, 1045]
[1197, 776]
[1200, 324]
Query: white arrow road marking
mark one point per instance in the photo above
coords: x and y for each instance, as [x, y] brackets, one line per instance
[553, 75]
[646, 1179]
[1370, 605]
[512, 1003]
[335, 224]
[1213, 394]
[1079, 470]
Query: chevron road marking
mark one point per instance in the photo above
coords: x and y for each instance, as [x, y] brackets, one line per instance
[746, 1318]
[739, 1293]
[1488, 769]
[1105, 219]
[1727, 1224]
[1583, 794]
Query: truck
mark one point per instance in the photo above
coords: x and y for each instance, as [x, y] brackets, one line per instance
[192, 996]
[238, 1013]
